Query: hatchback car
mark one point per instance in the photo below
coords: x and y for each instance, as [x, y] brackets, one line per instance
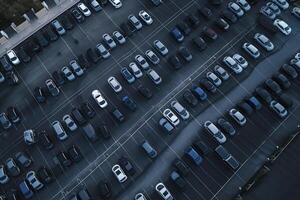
[251, 50]
[177, 179]
[279, 109]
[104, 53]
[238, 116]
[152, 57]
[142, 62]
[236, 9]
[163, 191]
[160, 47]
[282, 26]
[232, 64]
[240, 60]
[214, 78]
[213, 130]
[146, 17]
[118, 115]
[199, 93]
[135, 22]
[180, 110]
[109, 41]
[119, 37]
[34, 182]
[114, 84]
[264, 41]
[166, 125]
[127, 75]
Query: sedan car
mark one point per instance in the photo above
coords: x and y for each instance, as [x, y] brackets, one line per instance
[104, 53]
[289, 71]
[193, 155]
[209, 86]
[222, 23]
[264, 41]
[238, 116]
[135, 70]
[177, 179]
[264, 95]
[244, 5]
[152, 57]
[200, 43]
[45, 175]
[109, 41]
[190, 98]
[273, 86]
[226, 127]
[145, 92]
[12, 56]
[185, 53]
[163, 191]
[279, 109]
[240, 60]
[180, 110]
[273, 7]
[13, 114]
[251, 50]
[146, 17]
[171, 117]
[212, 77]
[282, 26]
[198, 92]
[296, 12]
[232, 64]
[236, 9]
[119, 173]
[127, 75]
[52, 88]
[214, 131]
[114, 84]
[85, 11]
[34, 182]
[283, 4]
[126, 164]
[210, 33]
[4, 121]
[175, 62]
[166, 125]
[76, 68]
[104, 188]
[142, 62]
[160, 47]
[77, 15]
[3, 176]
[221, 72]
[70, 122]
[140, 196]
[100, 100]
[268, 12]
[135, 22]
[119, 37]
[68, 73]
[12, 167]
[58, 27]
[177, 34]
[23, 159]
[75, 153]
[116, 3]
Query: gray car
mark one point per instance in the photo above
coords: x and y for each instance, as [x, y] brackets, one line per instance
[135, 22]
[76, 68]
[53, 89]
[58, 27]
[6, 124]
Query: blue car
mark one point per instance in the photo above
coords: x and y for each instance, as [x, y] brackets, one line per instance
[255, 103]
[199, 93]
[129, 103]
[25, 190]
[176, 33]
[127, 75]
[193, 155]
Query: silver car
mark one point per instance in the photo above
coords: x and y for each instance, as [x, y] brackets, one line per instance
[135, 22]
[238, 116]
[244, 4]
[142, 62]
[58, 27]
[53, 89]
[153, 75]
[236, 9]
[251, 50]
[264, 41]
[221, 72]
[180, 110]
[119, 37]
[268, 12]
[109, 41]
[280, 110]
[135, 70]
[160, 47]
[3, 176]
[114, 84]
[102, 51]
[6, 124]
[70, 123]
[240, 60]
[283, 4]
[152, 57]
[68, 73]
[213, 130]
[212, 77]
[232, 64]
[76, 68]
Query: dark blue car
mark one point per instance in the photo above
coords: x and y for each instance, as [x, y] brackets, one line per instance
[193, 155]
[255, 103]
[176, 33]
[25, 190]
[199, 93]
[129, 103]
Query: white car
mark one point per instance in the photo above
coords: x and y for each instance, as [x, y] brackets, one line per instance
[283, 4]
[3, 176]
[85, 11]
[142, 62]
[68, 73]
[221, 72]
[97, 96]
[238, 116]
[244, 4]
[102, 51]
[59, 130]
[279, 109]
[296, 12]
[135, 22]
[163, 191]
[70, 123]
[34, 182]
[180, 110]
[119, 37]
[146, 17]
[76, 68]
[29, 137]
[116, 3]
[213, 130]
[140, 196]
[212, 77]
[240, 60]
[119, 173]
[153, 75]
[160, 47]
[152, 57]
[171, 117]
[282, 26]
[264, 41]
[135, 70]
[251, 50]
[109, 41]
[114, 84]
[12, 56]
[232, 64]
[236, 9]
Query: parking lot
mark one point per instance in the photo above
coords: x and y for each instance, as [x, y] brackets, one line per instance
[205, 182]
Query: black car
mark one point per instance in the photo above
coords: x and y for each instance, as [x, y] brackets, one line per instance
[92, 56]
[75, 153]
[103, 2]
[12, 78]
[210, 33]
[245, 108]
[41, 40]
[104, 189]
[222, 24]
[264, 95]
[209, 86]
[67, 23]
[118, 115]
[201, 147]
[174, 62]
[185, 53]
[206, 12]
[181, 167]
[273, 86]
[200, 43]
[58, 78]
[226, 126]
[184, 28]
[190, 98]
[45, 141]
[87, 110]
[77, 15]
[44, 175]
[39, 95]
[192, 20]
[216, 2]
[146, 92]
[127, 166]
[13, 114]
[177, 179]
[229, 16]
[283, 81]
[23, 55]
[64, 159]
[289, 71]
[23, 159]
[50, 35]
[129, 103]
[104, 131]
[126, 30]
[33, 47]
[83, 62]
[267, 24]
[285, 100]
[78, 117]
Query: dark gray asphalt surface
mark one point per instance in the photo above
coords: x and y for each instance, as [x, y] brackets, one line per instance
[99, 157]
